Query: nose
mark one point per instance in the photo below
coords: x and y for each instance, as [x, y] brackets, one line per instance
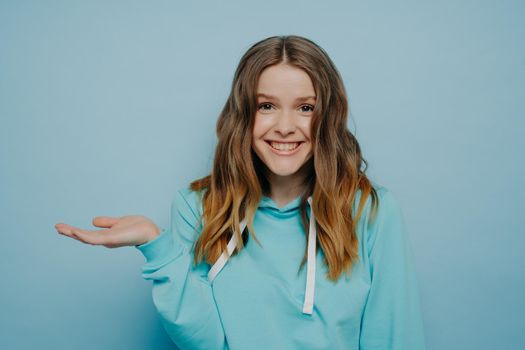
[285, 123]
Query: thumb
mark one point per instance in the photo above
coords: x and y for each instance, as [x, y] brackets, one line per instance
[105, 221]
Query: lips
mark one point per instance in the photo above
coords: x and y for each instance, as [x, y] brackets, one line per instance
[284, 152]
[298, 141]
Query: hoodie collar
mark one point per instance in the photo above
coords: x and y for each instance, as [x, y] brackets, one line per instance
[268, 202]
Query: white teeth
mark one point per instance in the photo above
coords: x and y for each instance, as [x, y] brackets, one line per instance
[285, 146]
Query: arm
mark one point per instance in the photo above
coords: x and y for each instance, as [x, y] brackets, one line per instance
[181, 293]
[392, 317]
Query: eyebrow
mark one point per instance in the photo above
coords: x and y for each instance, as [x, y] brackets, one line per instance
[304, 98]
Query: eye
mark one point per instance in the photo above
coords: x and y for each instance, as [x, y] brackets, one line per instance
[311, 108]
[265, 106]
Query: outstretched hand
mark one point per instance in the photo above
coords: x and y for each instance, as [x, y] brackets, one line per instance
[122, 231]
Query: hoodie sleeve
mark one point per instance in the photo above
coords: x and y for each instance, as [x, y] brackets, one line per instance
[392, 317]
[181, 293]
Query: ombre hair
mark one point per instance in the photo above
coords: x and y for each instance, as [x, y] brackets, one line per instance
[237, 181]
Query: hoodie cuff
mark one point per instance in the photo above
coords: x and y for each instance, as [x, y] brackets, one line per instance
[160, 249]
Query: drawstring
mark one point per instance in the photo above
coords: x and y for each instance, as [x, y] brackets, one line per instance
[219, 264]
[310, 263]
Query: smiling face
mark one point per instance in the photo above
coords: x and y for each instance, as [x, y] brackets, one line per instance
[281, 132]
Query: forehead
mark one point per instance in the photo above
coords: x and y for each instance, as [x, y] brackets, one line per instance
[285, 80]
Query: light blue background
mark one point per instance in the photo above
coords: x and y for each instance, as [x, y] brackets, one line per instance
[108, 107]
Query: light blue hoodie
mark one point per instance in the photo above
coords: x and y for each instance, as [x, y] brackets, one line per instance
[257, 300]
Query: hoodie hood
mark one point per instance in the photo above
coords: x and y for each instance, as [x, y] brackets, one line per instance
[267, 203]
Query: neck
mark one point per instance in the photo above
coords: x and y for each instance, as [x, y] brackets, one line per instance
[284, 189]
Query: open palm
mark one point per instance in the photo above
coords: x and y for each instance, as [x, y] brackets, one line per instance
[121, 231]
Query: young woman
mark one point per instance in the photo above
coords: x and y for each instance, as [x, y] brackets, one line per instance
[286, 244]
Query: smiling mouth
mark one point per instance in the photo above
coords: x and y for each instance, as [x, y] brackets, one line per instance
[284, 147]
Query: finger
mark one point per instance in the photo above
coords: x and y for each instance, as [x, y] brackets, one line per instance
[64, 229]
[105, 221]
[64, 233]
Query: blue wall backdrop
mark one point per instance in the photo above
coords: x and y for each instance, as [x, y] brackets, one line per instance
[108, 107]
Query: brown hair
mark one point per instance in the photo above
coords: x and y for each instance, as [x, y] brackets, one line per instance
[237, 181]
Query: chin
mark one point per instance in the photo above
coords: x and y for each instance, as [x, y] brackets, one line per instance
[285, 167]
[283, 172]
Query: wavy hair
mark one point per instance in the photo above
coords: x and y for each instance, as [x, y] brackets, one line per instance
[237, 180]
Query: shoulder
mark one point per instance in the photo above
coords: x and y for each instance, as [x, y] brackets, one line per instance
[388, 224]
[188, 201]
[380, 189]
[186, 213]
[386, 200]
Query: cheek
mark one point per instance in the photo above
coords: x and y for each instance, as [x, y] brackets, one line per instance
[260, 126]
[257, 134]
[306, 128]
